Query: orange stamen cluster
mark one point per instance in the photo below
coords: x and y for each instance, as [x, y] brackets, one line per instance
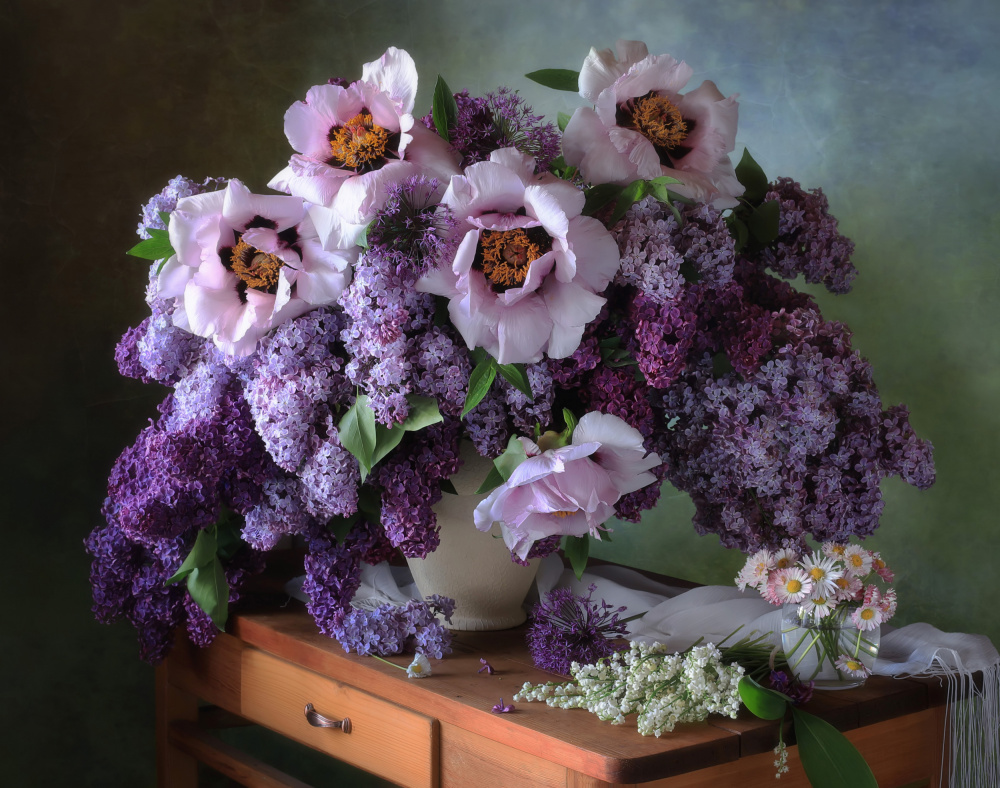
[359, 143]
[564, 514]
[659, 121]
[259, 270]
[507, 256]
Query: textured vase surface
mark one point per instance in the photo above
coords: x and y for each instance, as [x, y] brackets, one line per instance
[812, 647]
[472, 567]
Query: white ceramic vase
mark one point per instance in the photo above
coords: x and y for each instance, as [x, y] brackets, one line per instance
[472, 567]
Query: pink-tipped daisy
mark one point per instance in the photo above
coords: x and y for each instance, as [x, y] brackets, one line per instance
[852, 667]
[824, 573]
[754, 573]
[834, 549]
[888, 604]
[785, 558]
[868, 616]
[857, 560]
[849, 589]
[789, 585]
[880, 568]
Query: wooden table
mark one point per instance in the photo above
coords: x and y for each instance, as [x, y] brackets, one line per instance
[440, 731]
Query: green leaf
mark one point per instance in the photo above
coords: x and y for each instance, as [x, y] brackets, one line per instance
[557, 78]
[657, 188]
[386, 439]
[762, 702]
[164, 217]
[721, 365]
[370, 504]
[357, 433]
[209, 589]
[493, 480]
[754, 181]
[228, 538]
[763, 222]
[202, 553]
[739, 231]
[342, 526]
[155, 248]
[444, 109]
[630, 195]
[571, 421]
[448, 487]
[480, 380]
[512, 456]
[577, 549]
[517, 376]
[562, 120]
[828, 757]
[600, 196]
[363, 238]
[423, 412]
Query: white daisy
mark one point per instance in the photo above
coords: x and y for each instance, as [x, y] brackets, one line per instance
[819, 606]
[754, 573]
[789, 585]
[849, 589]
[852, 667]
[824, 573]
[785, 558]
[857, 560]
[834, 549]
[868, 616]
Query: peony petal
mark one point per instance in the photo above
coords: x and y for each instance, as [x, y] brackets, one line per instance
[522, 331]
[308, 123]
[571, 308]
[597, 256]
[241, 207]
[601, 68]
[195, 225]
[396, 74]
[362, 196]
[517, 162]
[431, 153]
[172, 277]
[587, 146]
[485, 187]
[544, 204]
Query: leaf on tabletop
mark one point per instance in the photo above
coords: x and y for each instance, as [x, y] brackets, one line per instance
[828, 757]
[762, 702]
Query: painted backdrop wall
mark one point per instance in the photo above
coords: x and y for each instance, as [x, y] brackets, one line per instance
[890, 107]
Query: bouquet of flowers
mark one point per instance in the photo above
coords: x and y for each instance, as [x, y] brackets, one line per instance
[599, 305]
[834, 606]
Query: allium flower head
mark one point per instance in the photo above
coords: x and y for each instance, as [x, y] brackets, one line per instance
[642, 126]
[566, 628]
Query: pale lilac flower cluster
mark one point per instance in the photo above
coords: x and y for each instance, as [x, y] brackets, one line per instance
[176, 188]
[391, 629]
[567, 628]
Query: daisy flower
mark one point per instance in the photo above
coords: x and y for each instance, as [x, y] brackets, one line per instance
[848, 589]
[857, 560]
[789, 585]
[785, 558]
[419, 668]
[819, 606]
[822, 570]
[754, 573]
[869, 615]
[833, 549]
[880, 568]
[852, 667]
[888, 604]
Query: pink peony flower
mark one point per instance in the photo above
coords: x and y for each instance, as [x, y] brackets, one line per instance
[527, 272]
[571, 490]
[352, 142]
[245, 263]
[642, 126]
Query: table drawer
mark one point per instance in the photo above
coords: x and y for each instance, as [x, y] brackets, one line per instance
[385, 739]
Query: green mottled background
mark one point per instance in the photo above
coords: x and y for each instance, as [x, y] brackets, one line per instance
[891, 107]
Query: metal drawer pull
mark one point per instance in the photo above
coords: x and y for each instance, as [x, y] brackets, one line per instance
[317, 720]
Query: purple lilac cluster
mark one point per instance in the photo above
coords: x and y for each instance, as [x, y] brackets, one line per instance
[391, 629]
[799, 691]
[567, 628]
[808, 241]
[176, 188]
[500, 119]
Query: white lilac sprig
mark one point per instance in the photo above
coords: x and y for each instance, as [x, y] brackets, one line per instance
[661, 688]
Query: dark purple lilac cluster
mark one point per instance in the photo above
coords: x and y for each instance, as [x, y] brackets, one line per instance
[500, 119]
[567, 628]
[391, 629]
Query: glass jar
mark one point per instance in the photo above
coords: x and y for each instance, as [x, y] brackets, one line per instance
[830, 651]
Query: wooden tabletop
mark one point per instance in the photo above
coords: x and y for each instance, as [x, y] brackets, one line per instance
[457, 693]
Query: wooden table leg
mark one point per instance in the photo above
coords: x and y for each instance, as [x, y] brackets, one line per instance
[174, 769]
